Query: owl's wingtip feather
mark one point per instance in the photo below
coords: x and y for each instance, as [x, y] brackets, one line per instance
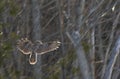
[58, 42]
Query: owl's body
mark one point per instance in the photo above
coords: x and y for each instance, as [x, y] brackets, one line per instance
[37, 48]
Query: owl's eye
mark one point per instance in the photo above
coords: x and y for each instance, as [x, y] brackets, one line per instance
[33, 58]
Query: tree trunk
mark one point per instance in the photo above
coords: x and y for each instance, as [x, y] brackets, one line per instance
[36, 34]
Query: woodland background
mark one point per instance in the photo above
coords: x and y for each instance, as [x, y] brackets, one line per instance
[89, 31]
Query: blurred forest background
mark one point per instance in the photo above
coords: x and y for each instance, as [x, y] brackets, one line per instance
[89, 32]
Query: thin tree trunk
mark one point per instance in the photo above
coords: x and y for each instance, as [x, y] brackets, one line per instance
[36, 34]
[61, 22]
[115, 23]
[113, 58]
[82, 60]
[92, 53]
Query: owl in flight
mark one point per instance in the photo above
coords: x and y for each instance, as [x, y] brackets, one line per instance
[37, 48]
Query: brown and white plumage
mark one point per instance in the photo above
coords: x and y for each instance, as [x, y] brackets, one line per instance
[24, 45]
[47, 47]
[33, 58]
[36, 48]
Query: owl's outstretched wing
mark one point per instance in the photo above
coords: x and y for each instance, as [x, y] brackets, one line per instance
[47, 47]
[24, 45]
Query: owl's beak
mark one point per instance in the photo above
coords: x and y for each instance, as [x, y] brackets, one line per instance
[33, 58]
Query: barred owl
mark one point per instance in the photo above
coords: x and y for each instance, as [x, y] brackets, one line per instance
[37, 48]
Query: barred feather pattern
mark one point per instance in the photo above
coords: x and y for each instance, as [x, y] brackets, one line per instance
[24, 45]
[37, 48]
